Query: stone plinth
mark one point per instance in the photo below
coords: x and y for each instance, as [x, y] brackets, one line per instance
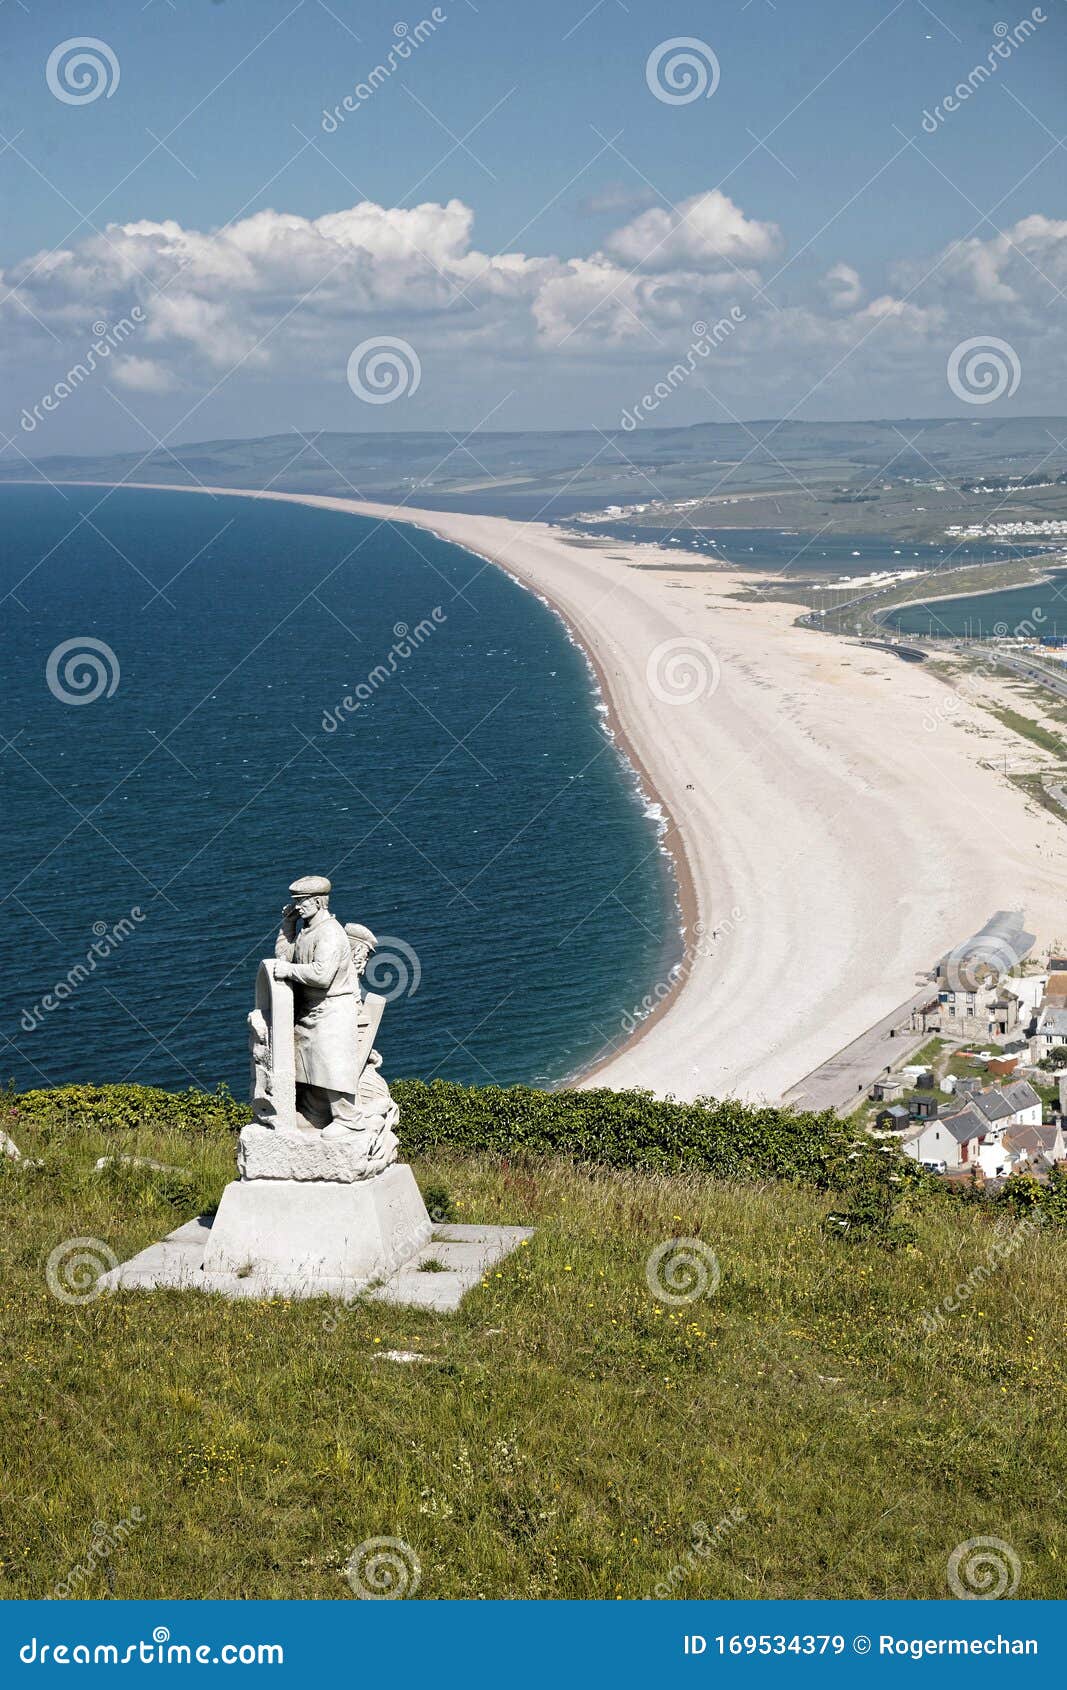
[437, 1277]
[307, 1153]
[315, 1236]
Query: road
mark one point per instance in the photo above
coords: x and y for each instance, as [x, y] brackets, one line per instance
[1030, 672]
[843, 1081]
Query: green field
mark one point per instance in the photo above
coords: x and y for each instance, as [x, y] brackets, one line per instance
[809, 1428]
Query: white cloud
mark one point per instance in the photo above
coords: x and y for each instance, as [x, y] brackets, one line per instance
[843, 287]
[287, 296]
[143, 375]
[706, 232]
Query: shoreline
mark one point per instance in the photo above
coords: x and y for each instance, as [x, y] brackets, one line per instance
[828, 844]
[670, 839]
[1041, 580]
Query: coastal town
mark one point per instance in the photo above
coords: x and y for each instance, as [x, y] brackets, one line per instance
[984, 1096]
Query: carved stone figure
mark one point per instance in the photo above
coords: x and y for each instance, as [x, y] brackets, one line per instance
[313, 952]
[322, 1109]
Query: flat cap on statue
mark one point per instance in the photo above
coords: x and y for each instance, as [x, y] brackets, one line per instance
[311, 886]
[361, 934]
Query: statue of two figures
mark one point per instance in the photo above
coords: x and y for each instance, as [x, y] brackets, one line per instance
[316, 1080]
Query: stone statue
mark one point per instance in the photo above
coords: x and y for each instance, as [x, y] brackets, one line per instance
[313, 952]
[317, 1086]
[322, 1207]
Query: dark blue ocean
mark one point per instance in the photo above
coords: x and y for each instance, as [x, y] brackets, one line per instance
[471, 811]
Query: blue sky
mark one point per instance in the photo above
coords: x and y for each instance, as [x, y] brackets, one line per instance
[589, 222]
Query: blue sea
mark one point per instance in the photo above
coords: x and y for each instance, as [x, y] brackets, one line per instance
[177, 748]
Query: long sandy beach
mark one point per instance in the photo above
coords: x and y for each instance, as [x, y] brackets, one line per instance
[838, 818]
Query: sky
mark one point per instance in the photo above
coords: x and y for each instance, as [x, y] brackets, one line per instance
[526, 215]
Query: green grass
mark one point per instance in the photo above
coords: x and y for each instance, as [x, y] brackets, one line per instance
[1028, 729]
[566, 1431]
[928, 1055]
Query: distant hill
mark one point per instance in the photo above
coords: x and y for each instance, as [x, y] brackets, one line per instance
[553, 474]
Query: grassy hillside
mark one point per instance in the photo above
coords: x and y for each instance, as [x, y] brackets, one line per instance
[810, 1428]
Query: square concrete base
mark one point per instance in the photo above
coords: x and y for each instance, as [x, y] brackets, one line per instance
[461, 1256]
[327, 1231]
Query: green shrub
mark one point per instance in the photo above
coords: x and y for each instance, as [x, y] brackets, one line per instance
[731, 1140]
[121, 1109]
[633, 1129]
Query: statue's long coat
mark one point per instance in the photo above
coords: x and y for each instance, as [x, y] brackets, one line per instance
[327, 1004]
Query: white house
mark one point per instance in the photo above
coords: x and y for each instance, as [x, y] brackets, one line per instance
[1015, 1104]
[976, 1135]
[948, 1143]
[1051, 1032]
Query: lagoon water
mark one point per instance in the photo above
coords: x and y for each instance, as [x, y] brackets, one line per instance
[790, 551]
[1041, 608]
[472, 808]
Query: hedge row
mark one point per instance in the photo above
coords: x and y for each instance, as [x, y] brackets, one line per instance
[628, 1129]
[614, 1129]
